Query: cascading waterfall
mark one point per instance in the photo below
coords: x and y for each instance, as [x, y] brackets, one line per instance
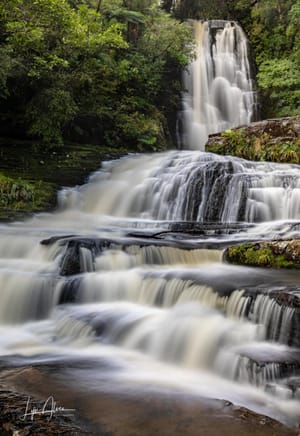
[191, 187]
[129, 268]
[110, 277]
[220, 86]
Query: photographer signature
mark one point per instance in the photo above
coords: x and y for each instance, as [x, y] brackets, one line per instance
[48, 409]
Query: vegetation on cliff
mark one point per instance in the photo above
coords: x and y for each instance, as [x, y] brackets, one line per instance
[31, 174]
[275, 140]
[20, 196]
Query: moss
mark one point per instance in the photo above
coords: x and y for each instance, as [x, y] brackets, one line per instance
[19, 196]
[258, 255]
[258, 147]
[31, 174]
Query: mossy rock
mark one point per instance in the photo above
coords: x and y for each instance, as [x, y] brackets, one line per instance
[275, 140]
[270, 254]
[31, 175]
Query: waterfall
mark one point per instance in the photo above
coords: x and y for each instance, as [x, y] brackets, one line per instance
[191, 186]
[127, 274]
[219, 83]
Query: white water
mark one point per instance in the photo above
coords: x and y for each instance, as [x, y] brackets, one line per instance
[167, 307]
[150, 297]
[220, 88]
[190, 186]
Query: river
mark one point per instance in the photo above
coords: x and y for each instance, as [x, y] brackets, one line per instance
[122, 278]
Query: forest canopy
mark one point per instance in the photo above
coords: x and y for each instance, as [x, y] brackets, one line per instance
[109, 71]
[90, 70]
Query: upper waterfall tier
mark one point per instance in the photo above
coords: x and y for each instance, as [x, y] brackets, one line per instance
[191, 186]
[220, 87]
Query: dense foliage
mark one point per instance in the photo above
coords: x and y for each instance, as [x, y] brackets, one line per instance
[95, 71]
[109, 70]
[20, 195]
[273, 30]
[257, 147]
[274, 33]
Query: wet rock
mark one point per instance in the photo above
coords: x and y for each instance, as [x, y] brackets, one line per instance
[181, 234]
[282, 322]
[69, 292]
[286, 127]
[289, 297]
[275, 140]
[267, 254]
[73, 261]
[120, 412]
[271, 372]
[54, 239]
[13, 422]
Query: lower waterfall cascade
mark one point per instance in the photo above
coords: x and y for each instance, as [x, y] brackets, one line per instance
[129, 269]
[220, 86]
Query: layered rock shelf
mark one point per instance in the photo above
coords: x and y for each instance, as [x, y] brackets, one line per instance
[275, 140]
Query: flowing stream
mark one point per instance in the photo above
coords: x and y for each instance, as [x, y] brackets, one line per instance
[128, 269]
[116, 272]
